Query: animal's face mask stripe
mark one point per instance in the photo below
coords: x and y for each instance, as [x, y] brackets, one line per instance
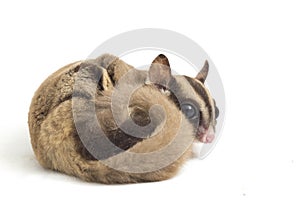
[203, 94]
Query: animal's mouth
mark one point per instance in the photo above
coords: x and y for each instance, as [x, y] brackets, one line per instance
[205, 135]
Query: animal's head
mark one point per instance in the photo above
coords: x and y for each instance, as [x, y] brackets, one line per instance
[189, 94]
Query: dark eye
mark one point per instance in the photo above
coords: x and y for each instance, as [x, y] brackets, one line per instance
[189, 110]
[216, 112]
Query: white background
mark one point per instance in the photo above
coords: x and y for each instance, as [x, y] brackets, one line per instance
[255, 45]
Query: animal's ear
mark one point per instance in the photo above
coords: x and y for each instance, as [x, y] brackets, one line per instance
[201, 76]
[105, 82]
[160, 71]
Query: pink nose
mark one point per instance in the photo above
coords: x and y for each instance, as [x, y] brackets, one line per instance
[210, 138]
[205, 135]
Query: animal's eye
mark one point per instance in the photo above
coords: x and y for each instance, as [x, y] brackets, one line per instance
[189, 110]
[216, 109]
[216, 112]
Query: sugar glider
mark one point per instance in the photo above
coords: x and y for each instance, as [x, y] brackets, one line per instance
[80, 98]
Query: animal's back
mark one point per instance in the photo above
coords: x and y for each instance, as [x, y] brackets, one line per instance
[56, 89]
[56, 142]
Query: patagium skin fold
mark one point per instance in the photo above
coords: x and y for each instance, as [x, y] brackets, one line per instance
[56, 141]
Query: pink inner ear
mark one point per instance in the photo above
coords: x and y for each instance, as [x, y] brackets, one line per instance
[159, 74]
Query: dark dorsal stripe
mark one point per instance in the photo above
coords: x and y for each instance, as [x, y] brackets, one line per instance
[198, 88]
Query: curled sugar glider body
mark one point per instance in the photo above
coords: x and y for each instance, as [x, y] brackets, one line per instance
[104, 121]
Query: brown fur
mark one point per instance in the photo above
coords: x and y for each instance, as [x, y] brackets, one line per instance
[55, 140]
